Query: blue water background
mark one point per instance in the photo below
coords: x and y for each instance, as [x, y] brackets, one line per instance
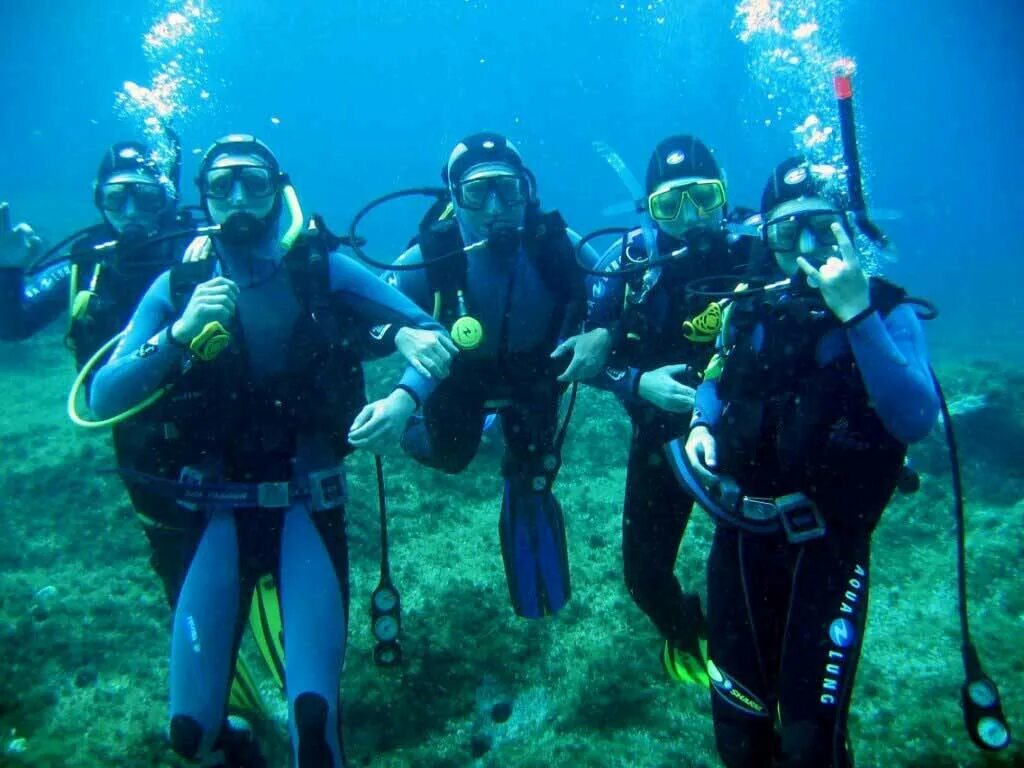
[371, 96]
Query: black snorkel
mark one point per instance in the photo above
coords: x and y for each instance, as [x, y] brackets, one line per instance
[983, 712]
[842, 84]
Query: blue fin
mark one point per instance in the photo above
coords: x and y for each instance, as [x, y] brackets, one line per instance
[534, 549]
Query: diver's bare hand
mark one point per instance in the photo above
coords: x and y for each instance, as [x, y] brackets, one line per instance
[18, 245]
[212, 302]
[429, 352]
[589, 354]
[660, 388]
[701, 453]
[378, 427]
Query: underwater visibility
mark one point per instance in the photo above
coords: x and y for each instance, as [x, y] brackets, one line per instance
[512, 384]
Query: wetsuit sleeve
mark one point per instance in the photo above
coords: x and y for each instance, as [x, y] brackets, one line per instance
[707, 406]
[893, 361]
[144, 360]
[376, 303]
[28, 305]
[621, 382]
[381, 338]
[605, 295]
[605, 298]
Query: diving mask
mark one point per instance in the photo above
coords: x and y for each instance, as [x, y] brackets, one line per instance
[666, 202]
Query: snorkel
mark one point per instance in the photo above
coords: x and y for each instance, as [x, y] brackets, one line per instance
[636, 192]
[842, 85]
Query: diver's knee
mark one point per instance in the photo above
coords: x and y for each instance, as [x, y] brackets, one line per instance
[311, 714]
[186, 736]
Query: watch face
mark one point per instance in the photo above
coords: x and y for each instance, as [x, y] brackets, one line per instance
[385, 628]
[385, 599]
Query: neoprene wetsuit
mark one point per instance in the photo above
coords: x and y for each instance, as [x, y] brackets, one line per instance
[804, 405]
[270, 415]
[30, 302]
[524, 314]
[650, 335]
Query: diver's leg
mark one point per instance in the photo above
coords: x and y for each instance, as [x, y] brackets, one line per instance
[170, 553]
[203, 640]
[446, 435]
[314, 597]
[531, 526]
[739, 658]
[822, 646]
[654, 519]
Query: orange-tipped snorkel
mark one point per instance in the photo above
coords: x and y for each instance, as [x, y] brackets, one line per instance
[842, 84]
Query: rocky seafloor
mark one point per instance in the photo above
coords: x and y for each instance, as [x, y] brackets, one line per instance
[84, 626]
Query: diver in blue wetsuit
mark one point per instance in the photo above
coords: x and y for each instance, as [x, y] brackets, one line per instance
[99, 276]
[257, 340]
[664, 338]
[515, 303]
[798, 439]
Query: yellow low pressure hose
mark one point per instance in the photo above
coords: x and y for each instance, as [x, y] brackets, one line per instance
[291, 200]
[80, 382]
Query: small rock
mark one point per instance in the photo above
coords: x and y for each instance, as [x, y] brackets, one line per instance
[480, 744]
[46, 594]
[501, 712]
[49, 697]
[40, 613]
[86, 677]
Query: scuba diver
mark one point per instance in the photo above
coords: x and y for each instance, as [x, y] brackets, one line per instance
[106, 271]
[798, 440]
[664, 339]
[137, 201]
[487, 249]
[250, 353]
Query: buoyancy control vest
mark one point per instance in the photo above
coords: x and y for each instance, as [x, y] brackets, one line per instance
[791, 425]
[250, 426]
[547, 246]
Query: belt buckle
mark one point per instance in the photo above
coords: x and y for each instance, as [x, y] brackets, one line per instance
[759, 509]
[190, 477]
[801, 519]
[327, 489]
[273, 495]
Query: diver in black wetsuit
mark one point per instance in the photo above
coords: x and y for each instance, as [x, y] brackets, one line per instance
[799, 435]
[515, 303]
[137, 200]
[256, 341]
[664, 339]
